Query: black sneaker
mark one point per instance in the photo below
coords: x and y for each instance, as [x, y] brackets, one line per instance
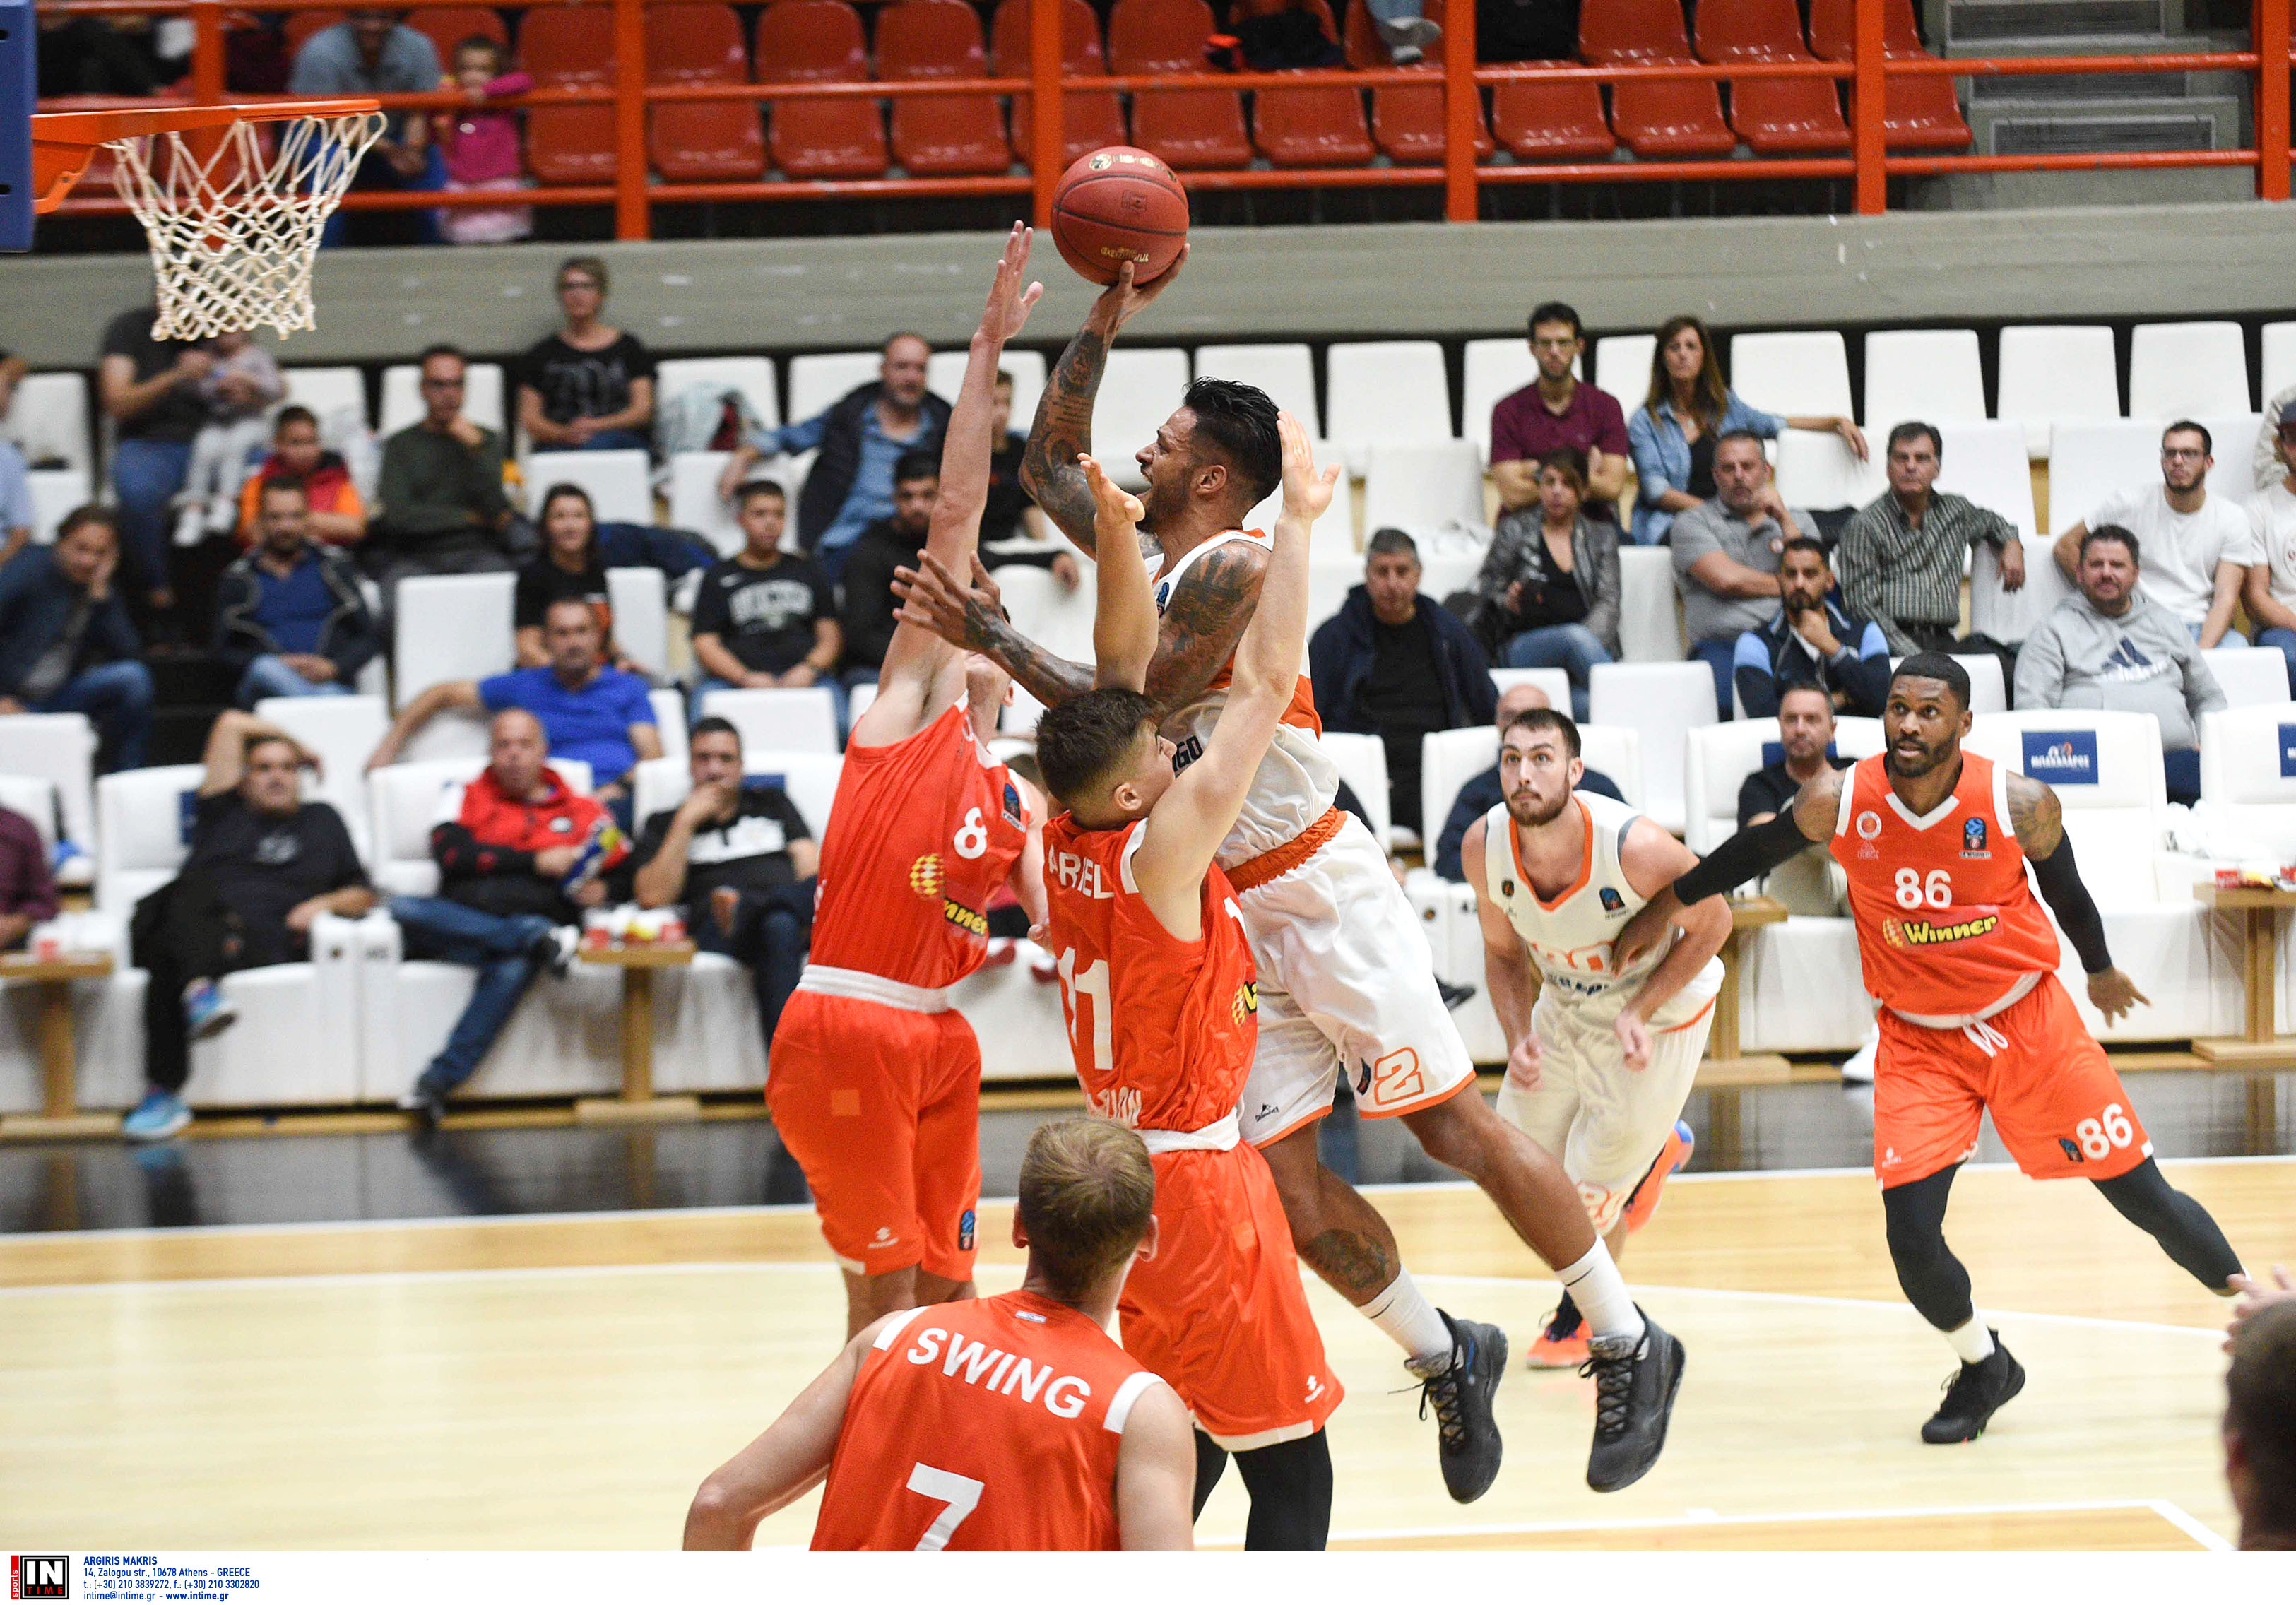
[426, 1103]
[1468, 1441]
[1972, 1395]
[1635, 1380]
[1454, 996]
[553, 950]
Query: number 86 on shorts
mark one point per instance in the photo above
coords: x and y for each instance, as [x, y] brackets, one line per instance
[2100, 1135]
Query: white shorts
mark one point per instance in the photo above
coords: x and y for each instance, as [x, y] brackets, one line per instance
[1604, 1122]
[1347, 988]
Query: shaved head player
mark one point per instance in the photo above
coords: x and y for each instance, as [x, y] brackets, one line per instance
[1935, 842]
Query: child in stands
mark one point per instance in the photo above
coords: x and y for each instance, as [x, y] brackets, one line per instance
[481, 146]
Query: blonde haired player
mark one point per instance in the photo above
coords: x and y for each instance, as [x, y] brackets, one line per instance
[1598, 1071]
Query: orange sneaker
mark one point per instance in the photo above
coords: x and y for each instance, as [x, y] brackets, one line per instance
[1562, 1345]
[1673, 1157]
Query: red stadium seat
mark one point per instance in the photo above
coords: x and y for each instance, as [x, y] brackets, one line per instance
[700, 141]
[1776, 117]
[1407, 123]
[811, 42]
[1917, 114]
[1187, 127]
[1321, 127]
[1659, 120]
[937, 135]
[449, 25]
[1552, 122]
[1090, 119]
[569, 47]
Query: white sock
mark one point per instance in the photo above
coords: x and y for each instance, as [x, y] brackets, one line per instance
[1599, 1293]
[1402, 1311]
[1971, 1340]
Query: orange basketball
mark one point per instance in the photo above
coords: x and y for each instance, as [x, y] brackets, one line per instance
[1119, 205]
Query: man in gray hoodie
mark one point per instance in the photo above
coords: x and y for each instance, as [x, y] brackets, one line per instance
[2111, 648]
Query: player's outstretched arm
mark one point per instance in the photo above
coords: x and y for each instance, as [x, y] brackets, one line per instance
[782, 1463]
[1752, 853]
[2035, 816]
[1507, 977]
[1653, 860]
[1156, 1474]
[1124, 615]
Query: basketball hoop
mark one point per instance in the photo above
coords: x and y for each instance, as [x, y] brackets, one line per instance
[233, 214]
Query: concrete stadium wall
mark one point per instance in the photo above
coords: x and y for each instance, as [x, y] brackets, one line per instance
[1355, 281]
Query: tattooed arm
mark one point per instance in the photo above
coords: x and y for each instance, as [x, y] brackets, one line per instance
[1063, 431]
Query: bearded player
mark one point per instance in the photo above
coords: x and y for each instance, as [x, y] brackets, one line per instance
[875, 1081]
[1347, 981]
[1598, 1071]
[1936, 842]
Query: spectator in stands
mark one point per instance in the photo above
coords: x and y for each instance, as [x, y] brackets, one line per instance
[1557, 410]
[374, 52]
[1810, 882]
[290, 617]
[1812, 641]
[2114, 647]
[1395, 664]
[2260, 1426]
[2270, 589]
[264, 865]
[1677, 430]
[590, 386]
[520, 855]
[1726, 552]
[1902, 555]
[741, 858]
[234, 392]
[13, 369]
[1483, 793]
[66, 643]
[17, 513]
[336, 515]
[1012, 529]
[28, 882]
[569, 568]
[150, 390]
[587, 711]
[440, 507]
[1549, 590]
[2197, 548]
[866, 617]
[861, 437]
[479, 147]
[766, 618]
[2270, 458]
[1400, 26]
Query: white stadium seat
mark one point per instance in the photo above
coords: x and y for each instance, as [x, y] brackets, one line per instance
[800, 719]
[1622, 366]
[1663, 702]
[47, 419]
[2187, 370]
[1819, 470]
[1055, 618]
[1799, 374]
[328, 392]
[1447, 760]
[1385, 392]
[695, 504]
[2089, 462]
[1495, 368]
[669, 704]
[2056, 373]
[1554, 682]
[2249, 677]
[1650, 610]
[1331, 575]
[483, 397]
[451, 626]
[1930, 374]
[817, 381]
[2279, 360]
[58, 748]
[2247, 775]
[1138, 392]
[640, 601]
[2011, 616]
[1986, 462]
[1362, 762]
[36, 799]
[1335, 534]
[945, 377]
[753, 376]
[1421, 487]
[55, 492]
[1287, 373]
[619, 483]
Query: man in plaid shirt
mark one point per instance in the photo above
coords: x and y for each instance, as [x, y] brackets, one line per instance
[1901, 557]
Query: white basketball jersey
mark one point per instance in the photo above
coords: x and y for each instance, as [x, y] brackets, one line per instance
[1297, 779]
[1569, 937]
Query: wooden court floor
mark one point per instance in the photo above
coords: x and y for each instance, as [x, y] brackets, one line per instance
[563, 1382]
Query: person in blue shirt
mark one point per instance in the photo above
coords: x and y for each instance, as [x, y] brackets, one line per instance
[1671, 436]
[373, 52]
[66, 643]
[859, 438]
[17, 513]
[289, 616]
[600, 716]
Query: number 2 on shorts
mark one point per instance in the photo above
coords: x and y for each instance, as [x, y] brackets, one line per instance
[962, 1493]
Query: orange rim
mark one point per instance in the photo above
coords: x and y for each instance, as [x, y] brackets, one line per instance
[63, 142]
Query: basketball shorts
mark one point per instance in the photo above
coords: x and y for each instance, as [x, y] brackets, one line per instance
[1219, 1312]
[1603, 1121]
[2055, 1100]
[882, 1106]
[1347, 988]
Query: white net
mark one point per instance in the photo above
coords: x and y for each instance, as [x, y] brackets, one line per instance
[233, 217]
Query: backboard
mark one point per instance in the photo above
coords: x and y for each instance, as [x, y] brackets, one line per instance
[19, 88]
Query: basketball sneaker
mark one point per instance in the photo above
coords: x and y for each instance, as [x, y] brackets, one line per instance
[1972, 1395]
[1643, 1202]
[1562, 1345]
[1635, 1380]
[1468, 1434]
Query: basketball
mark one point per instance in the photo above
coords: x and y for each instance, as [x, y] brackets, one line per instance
[1119, 205]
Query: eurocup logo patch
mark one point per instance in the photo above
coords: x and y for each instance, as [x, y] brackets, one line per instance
[2063, 757]
[1163, 595]
[1973, 839]
[965, 1232]
[1611, 902]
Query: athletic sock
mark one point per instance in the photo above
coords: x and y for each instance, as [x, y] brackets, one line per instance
[1594, 1285]
[1402, 1311]
[1971, 1341]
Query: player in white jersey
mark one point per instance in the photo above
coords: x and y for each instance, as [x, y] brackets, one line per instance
[1347, 981]
[1601, 1058]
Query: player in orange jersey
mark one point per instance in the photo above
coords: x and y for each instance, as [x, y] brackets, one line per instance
[875, 1081]
[1936, 842]
[1163, 1015]
[1012, 1422]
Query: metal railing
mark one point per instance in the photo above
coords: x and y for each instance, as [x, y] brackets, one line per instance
[636, 190]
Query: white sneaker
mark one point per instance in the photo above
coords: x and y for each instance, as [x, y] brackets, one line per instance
[1859, 1066]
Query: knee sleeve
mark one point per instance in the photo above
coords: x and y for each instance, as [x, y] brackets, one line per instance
[1935, 1283]
[1291, 1488]
[2187, 1232]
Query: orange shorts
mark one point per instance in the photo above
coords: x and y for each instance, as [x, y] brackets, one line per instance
[1219, 1312]
[2055, 1100]
[882, 1106]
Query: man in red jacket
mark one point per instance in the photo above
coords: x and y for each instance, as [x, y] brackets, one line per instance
[519, 856]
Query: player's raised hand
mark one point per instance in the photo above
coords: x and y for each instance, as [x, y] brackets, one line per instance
[2114, 993]
[1306, 489]
[2254, 1297]
[1523, 1063]
[1634, 1036]
[1012, 295]
[1116, 511]
[1123, 300]
[932, 600]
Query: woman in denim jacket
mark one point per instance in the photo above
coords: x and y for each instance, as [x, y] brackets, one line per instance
[1672, 434]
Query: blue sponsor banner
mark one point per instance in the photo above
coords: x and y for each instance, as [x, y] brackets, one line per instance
[2062, 757]
[2287, 750]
